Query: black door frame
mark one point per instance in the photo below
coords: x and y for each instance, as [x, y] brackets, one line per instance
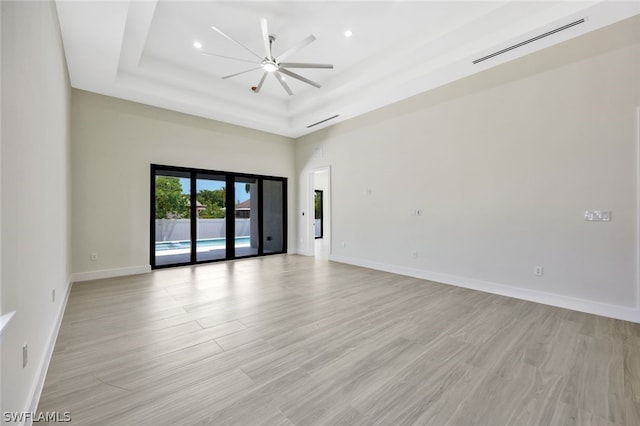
[321, 193]
[230, 178]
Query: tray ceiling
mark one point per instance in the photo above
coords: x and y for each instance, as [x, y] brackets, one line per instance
[144, 51]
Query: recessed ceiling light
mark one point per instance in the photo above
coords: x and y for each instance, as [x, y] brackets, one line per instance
[197, 45]
[348, 33]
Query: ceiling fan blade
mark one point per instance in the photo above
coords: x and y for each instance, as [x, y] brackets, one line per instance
[259, 86]
[296, 47]
[265, 37]
[299, 77]
[222, 33]
[304, 65]
[228, 57]
[284, 85]
[241, 72]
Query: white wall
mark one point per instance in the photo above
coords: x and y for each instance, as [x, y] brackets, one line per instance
[113, 144]
[503, 165]
[35, 193]
[2, 312]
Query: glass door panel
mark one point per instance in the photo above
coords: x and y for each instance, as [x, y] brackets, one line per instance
[273, 216]
[246, 216]
[172, 218]
[211, 222]
[318, 207]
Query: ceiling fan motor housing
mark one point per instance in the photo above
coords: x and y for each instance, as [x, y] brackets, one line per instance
[270, 65]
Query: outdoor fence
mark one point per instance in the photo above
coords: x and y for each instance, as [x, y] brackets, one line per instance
[180, 229]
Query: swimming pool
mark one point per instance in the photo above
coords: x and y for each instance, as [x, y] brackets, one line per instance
[211, 243]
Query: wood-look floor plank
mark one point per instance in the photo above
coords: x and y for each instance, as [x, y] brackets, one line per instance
[632, 411]
[631, 350]
[291, 340]
[499, 400]
[427, 390]
[568, 415]
[596, 379]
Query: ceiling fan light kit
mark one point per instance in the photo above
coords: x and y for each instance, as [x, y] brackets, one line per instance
[270, 64]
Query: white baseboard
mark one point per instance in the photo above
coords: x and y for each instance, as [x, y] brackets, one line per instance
[109, 273]
[552, 299]
[43, 366]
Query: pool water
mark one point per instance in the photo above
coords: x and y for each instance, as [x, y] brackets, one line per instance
[210, 243]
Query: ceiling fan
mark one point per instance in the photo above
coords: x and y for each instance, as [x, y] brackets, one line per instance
[271, 64]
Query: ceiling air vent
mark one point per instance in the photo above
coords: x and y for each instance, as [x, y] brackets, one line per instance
[531, 40]
[322, 121]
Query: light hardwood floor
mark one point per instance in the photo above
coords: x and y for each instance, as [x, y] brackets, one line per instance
[284, 340]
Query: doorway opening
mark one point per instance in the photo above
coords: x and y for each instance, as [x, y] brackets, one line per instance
[318, 214]
[319, 230]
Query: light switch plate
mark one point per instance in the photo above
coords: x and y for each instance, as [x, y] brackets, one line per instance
[597, 216]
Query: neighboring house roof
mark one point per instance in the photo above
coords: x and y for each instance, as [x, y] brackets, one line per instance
[199, 206]
[245, 205]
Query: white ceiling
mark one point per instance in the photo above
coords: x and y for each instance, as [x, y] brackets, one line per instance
[143, 51]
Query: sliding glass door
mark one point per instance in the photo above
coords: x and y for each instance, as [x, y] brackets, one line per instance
[273, 213]
[211, 222]
[246, 216]
[172, 217]
[202, 215]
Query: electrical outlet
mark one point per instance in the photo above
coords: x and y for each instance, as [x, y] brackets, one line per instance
[414, 254]
[25, 355]
[538, 271]
[94, 256]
